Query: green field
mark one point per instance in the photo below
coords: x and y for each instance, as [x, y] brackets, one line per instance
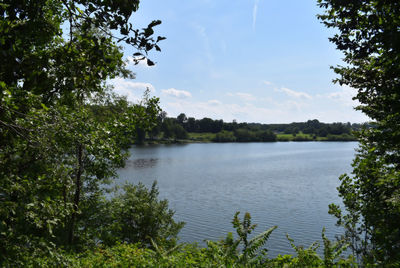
[311, 137]
[299, 137]
[201, 137]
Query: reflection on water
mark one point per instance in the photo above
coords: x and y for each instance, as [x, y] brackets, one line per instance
[286, 184]
[141, 163]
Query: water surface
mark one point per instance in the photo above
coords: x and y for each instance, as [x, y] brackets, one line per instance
[288, 184]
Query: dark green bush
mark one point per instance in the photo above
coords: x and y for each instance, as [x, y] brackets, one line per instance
[224, 136]
[302, 138]
[137, 216]
[342, 137]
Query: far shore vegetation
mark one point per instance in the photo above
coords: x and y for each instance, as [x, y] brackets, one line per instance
[190, 130]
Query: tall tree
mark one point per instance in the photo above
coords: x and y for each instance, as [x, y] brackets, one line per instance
[55, 153]
[368, 33]
[181, 118]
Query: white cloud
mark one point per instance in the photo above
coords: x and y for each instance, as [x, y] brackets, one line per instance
[284, 106]
[255, 8]
[228, 111]
[121, 83]
[294, 110]
[344, 95]
[133, 90]
[180, 94]
[214, 102]
[245, 96]
[202, 32]
[130, 62]
[242, 95]
[216, 74]
[268, 83]
[293, 93]
[294, 106]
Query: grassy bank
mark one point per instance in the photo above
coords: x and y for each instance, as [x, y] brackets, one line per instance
[194, 137]
[311, 137]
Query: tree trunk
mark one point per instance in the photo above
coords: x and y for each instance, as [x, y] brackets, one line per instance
[78, 186]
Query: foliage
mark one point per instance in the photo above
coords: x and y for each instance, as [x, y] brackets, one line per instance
[63, 135]
[137, 216]
[242, 251]
[310, 127]
[172, 129]
[265, 135]
[202, 137]
[246, 135]
[368, 35]
[220, 131]
[308, 257]
[224, 136]
[180, 132]
[303, 138]
[230, 252]
[342, 137]
[52, 179]
[56, 150]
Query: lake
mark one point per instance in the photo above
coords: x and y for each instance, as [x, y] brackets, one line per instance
[289, 184]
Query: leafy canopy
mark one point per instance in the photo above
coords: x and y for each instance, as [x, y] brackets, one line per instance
[368, 33]
[62, 131]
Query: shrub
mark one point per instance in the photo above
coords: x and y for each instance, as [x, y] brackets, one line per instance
[224, 136]
[137, 216]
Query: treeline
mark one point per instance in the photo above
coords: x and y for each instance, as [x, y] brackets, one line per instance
[63, 133]
[179, 128]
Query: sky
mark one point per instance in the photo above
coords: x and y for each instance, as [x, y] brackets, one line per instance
[264, 61]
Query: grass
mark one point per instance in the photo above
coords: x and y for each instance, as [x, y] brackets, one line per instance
[299, 137]
[311, 137]
[203, 137]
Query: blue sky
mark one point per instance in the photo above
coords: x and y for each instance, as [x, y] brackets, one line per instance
[261, 61]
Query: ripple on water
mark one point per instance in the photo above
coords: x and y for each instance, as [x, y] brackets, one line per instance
[284, 184]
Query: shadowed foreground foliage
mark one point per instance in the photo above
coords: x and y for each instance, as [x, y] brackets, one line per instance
[241, 251]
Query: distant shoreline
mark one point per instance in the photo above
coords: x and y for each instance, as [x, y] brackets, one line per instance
[210, 138]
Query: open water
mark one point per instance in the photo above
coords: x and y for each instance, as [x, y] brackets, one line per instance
[289, 184]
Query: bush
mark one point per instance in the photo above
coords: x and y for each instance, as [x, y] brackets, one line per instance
[342, 137]
[302, 138]
[242, 251]
[266, 135]
[137, 216]
[224, 136]
[180, 132]
[245, 135]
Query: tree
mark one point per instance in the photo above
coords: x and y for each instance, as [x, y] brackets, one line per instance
[180, 132]
[245, 135]
[369, 36]
[266, 135]
[224, 136]
[172, 129]
[181, 119]
[168, 128]
[191, 125]
[206, 125]
[55, 153]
